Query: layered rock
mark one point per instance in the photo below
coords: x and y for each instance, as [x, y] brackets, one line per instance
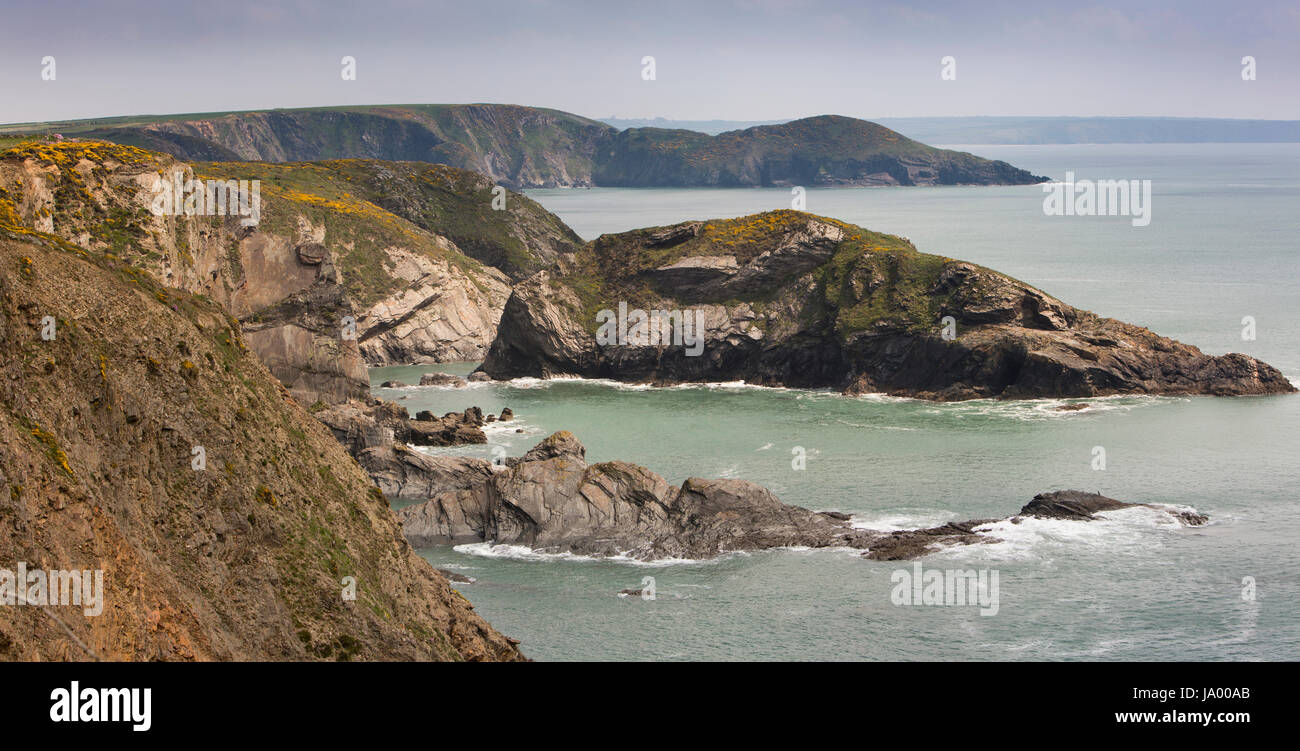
[788, 298]
[553, 501]
[325, 280]
[145, 441]
[401, 472]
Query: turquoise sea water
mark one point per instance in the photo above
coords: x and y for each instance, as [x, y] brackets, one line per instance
[1222, 244]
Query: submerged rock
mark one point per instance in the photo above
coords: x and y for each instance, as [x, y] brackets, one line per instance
[455, 577]
[442, 379]
[1062, 504]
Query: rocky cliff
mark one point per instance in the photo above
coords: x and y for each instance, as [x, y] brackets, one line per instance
[141, 438]
[529, 147]
[521, 147]
[788, 298]
[323, 251]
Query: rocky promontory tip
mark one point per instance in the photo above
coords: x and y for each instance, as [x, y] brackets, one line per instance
[787, 298]
[552, 501]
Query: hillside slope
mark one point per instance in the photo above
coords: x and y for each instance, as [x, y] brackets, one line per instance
[825, 150]
[529, 147]
[243, 559]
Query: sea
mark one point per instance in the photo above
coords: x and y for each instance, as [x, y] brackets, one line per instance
[1215, 267]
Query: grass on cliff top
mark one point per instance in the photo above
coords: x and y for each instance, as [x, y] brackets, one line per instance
[610, 269]
[68, 154]
[825, 136]
[337, 195]
[400, 201]
[334, 194]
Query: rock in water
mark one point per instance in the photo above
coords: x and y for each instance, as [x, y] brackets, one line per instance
[552, 500]
[441, 379]
[789, 298]
[455, 577]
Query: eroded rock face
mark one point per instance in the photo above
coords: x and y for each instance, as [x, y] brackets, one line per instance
[403, 473]
[552, 500]
[791, 299]
[436, 312]
[97, 460]
[319, 291]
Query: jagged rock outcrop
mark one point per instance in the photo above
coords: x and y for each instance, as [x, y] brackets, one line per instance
[378, 423]
[144, 440]
[553, 501]
[452, 429]
[788, 298]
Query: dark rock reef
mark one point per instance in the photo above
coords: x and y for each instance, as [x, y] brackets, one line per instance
[552, 501]
[792, 299]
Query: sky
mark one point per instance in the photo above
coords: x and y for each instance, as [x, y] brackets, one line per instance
[731, 59]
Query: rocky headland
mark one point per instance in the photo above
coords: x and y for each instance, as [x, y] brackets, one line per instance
[787, 298]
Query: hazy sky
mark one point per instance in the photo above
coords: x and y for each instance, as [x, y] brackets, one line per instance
[736, 60]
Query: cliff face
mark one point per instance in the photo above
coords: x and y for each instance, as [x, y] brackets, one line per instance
[513, 145]
[788, 298]
[528, 147]
[243, 558]
[323, 251]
